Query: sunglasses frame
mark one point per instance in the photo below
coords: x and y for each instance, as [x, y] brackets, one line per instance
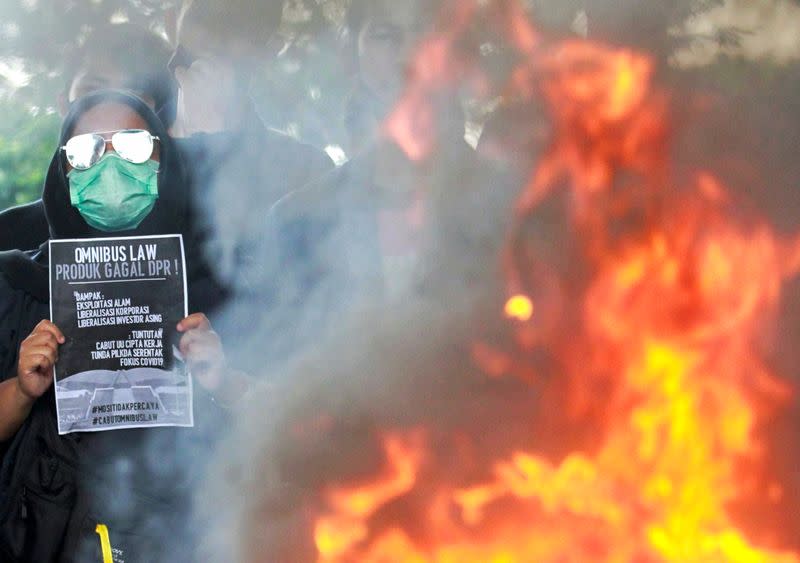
[106, 141]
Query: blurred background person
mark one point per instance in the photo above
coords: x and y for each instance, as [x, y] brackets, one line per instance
[383, 39]
[122, 56]
[118, 56]
[386, 38]
[240, 167]
[385, 226]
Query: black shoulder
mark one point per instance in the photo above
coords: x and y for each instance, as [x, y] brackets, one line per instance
[23, 226]
[12, 305]
[305, 160]
[321, 198]
[24, 301]
[26, 272]
[8, 294]
[303, 219]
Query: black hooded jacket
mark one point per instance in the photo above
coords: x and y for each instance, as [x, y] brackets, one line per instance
[54, 490]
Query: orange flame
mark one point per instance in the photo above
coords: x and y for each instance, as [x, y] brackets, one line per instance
[412, 123]
[337, 532]
[672, 312]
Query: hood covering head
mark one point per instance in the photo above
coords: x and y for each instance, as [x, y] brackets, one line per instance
[170, 215]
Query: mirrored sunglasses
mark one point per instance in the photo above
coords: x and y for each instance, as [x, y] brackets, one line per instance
[133, 145]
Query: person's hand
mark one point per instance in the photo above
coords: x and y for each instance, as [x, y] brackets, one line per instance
[202, 348]
[38, 354]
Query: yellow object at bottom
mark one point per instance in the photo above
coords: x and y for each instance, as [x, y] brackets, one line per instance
[105, 543]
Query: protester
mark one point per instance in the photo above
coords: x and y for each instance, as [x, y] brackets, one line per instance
[240, 167]
[384, 37]
[117, 56]
[55, 490]
[378, 227]
[122, 56]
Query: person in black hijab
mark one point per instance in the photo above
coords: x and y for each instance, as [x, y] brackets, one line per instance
[56, 490]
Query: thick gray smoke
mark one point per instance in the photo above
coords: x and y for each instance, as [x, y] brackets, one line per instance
[341, 342]
[324, 421]
[370, 362]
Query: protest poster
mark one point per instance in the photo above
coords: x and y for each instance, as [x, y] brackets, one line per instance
[118, 301]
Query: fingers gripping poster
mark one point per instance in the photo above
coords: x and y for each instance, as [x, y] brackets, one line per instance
[118, 301]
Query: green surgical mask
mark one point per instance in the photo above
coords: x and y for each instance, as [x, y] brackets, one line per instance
[114, 194]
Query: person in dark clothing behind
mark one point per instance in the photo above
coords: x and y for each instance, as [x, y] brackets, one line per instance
[116, 56]
[55, 490]
[515, 135]
[384, 226]
[240, 167]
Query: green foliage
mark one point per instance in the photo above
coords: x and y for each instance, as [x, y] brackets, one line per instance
[27, 143]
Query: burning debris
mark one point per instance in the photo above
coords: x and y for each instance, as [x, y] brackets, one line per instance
[608, 405]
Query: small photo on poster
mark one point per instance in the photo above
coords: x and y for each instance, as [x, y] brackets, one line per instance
[118, 301]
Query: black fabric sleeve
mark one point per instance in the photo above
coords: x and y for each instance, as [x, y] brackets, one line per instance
[10, 309]
[23, 227]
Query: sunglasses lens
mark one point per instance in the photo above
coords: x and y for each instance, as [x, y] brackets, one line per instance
[83, 151]
[134, 145]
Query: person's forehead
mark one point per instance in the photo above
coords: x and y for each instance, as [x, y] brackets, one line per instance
[202, 44]
[100, 74]
[94, 76]
[108, 117]
[205, 39]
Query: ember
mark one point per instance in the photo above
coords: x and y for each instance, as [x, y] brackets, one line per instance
[519, 307]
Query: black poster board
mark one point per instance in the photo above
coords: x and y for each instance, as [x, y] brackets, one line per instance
[118, 301]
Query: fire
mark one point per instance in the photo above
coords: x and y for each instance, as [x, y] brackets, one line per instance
[605, 114]
[519, 307]
[412, 123]
[336, 534]
[678, 291]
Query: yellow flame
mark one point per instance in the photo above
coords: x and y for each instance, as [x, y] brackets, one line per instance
[519, 307]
